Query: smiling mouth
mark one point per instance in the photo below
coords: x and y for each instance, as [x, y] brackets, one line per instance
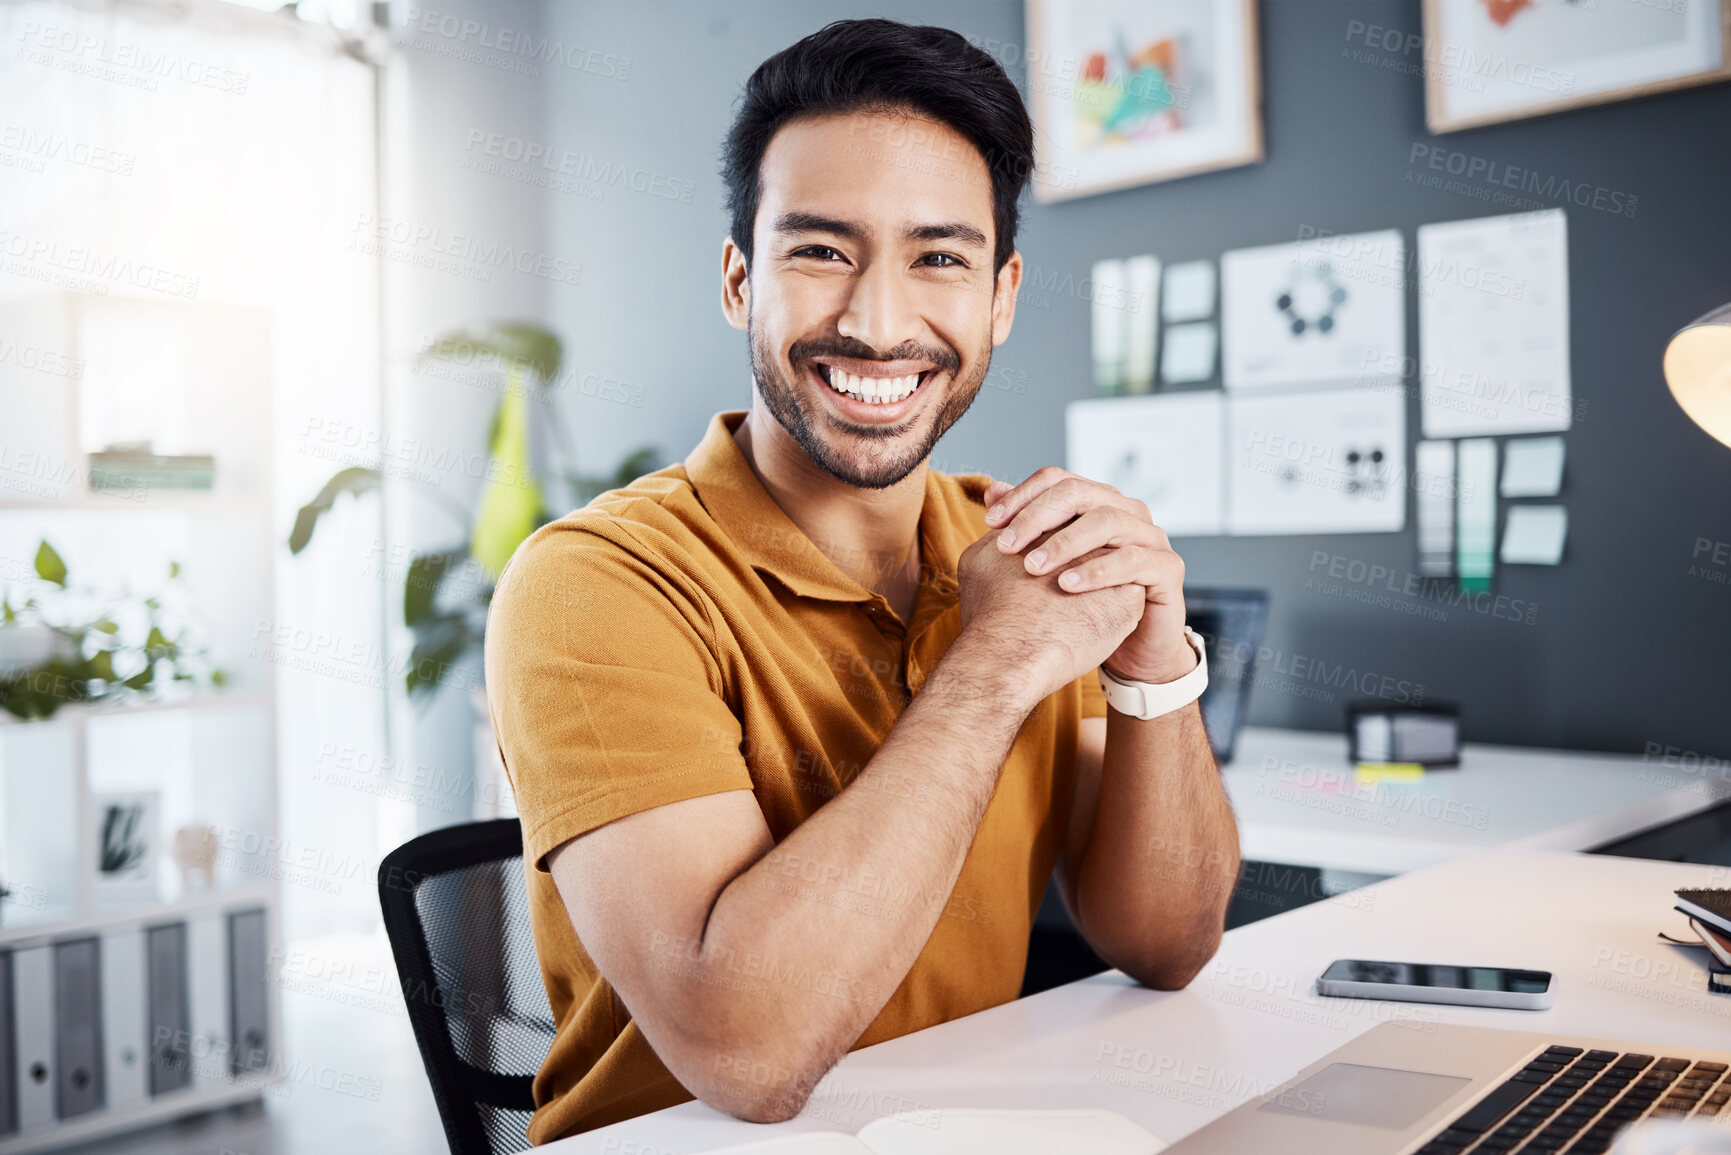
[872, 390]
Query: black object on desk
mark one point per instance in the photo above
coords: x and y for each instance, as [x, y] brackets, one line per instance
[1428, 735]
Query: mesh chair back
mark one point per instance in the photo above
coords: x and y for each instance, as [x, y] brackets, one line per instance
[457, 913]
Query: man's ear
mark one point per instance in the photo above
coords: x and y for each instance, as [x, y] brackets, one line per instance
[735, 286]
[1009, 283]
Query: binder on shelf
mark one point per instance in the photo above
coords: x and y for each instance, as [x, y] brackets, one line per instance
[123, 1031]
[249, 990]
[33, 1014]
[8, 1049]
[77, 1027]
[207, 984]
[170, 1036]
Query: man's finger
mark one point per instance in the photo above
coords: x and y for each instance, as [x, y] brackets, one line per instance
[1158, 570]
[1012, 503]
[1056, 505]
[1103, 525]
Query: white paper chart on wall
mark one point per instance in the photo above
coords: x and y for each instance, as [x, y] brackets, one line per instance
[1326, 462]
[1324, 312]
[1493, 312]
[1164, 450]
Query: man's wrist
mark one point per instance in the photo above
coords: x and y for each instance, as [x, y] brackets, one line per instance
[975, 669]
[1180, 659]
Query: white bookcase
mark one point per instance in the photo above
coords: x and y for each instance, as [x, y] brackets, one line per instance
[75, 371]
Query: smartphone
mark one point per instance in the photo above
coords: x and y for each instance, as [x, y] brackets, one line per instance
[1354, 978]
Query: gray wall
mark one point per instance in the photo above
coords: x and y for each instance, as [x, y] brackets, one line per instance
[1629, 647]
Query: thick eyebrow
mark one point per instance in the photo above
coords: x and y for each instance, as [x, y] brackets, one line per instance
[949, 231]
[798, 222]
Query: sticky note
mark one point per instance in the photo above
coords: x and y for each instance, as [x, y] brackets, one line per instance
[1533, 467]
[1534, 534]
[1371, 772]
[1189, 292]
[1189, 353]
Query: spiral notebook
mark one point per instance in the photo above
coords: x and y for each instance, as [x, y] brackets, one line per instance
[1709, 913]
[1712, 907]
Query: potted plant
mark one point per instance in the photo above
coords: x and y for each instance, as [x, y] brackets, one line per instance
[446, 591]
[64, 643]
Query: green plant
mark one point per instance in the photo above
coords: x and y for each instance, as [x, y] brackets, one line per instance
[446, 591]
[95, 647]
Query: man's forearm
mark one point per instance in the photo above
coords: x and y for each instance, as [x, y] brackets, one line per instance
[901, 828]
[1162, 857]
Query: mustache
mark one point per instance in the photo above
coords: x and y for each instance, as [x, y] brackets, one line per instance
[805, 350]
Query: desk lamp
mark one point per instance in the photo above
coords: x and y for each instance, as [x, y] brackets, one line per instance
[1698, 369]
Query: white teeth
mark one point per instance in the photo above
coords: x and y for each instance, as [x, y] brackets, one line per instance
[873, 390]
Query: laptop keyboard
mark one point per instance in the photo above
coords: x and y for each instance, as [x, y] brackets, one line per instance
[1568, 1101]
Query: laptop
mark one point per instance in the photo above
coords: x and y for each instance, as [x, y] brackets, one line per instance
[1459, 1090]
[1231, 622]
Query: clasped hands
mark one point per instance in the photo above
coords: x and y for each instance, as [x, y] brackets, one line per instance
[1094, 537]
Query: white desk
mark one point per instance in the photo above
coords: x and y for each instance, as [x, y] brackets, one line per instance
[1298, 803]
[1176, 1061]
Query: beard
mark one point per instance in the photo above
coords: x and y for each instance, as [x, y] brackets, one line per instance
[886, 453]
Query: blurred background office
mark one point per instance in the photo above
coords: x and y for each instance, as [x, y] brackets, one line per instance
[309, 314]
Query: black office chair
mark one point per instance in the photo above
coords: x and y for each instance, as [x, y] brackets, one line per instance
[457, 913]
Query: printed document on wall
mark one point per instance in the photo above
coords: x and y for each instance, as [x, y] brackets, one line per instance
[1165, 449]
[1328, 311]
[1331, 462]
[1493, 312]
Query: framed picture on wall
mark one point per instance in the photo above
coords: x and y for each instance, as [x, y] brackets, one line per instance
[1130, 92]
[1488, 61]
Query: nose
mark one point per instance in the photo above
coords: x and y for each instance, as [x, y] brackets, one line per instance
[880, 308]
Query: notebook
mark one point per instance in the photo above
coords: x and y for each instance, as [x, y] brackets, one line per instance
[1709, 913]
[1717, 944]
[971, 1132]
[1712, 907]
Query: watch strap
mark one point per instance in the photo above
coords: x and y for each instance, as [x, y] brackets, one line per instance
[1146, 700]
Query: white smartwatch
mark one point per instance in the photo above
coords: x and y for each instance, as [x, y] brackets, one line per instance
[1147, 700]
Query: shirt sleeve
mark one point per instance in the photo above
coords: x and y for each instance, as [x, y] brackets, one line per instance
[605, 692]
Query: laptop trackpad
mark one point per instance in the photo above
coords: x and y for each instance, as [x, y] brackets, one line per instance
[1366, 1096]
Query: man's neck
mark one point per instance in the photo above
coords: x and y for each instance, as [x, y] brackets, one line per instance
[872, 535]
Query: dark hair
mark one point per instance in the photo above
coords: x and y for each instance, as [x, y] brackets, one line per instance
[868, 65]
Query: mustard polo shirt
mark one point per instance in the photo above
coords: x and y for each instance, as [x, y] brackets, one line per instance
[681, 637]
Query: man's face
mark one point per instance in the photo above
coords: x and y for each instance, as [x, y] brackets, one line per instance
[871, 303]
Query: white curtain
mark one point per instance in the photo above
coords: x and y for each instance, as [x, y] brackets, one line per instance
[207, 153]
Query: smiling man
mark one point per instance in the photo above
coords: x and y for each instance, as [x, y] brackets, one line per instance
[800, 728]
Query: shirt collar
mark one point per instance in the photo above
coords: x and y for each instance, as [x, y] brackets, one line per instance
[730, 490]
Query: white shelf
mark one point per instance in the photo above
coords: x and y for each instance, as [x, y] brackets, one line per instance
[205, 767]
[140, 1113]
[24, 934]
[209, 700]
[161, 500]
